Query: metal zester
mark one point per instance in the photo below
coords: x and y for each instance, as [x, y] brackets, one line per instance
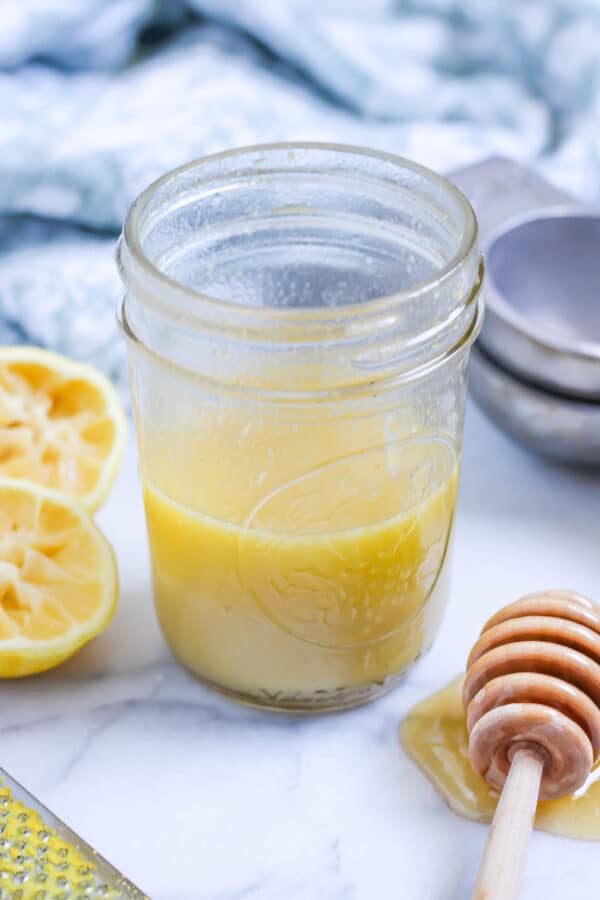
[42, 859]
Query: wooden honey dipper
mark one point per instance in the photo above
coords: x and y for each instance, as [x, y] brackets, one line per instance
[532, 699]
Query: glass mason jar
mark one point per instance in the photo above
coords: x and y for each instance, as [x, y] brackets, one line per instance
[298, 320]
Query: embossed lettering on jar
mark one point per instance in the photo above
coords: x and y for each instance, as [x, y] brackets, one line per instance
[299, 319]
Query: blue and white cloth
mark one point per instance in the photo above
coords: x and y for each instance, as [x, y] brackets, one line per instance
[98, 97]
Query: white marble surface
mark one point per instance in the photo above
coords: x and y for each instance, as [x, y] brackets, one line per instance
[197, 799]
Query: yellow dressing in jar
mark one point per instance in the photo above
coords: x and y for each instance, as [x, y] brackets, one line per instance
[434, 734]
[332, 581]
[299, 320]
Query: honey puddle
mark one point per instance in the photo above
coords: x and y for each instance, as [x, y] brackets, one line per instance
[434, 734]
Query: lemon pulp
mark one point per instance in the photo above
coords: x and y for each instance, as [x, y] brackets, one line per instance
[61, 424]
[58, 579]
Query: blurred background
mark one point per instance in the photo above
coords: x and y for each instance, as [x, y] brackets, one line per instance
[99, 97]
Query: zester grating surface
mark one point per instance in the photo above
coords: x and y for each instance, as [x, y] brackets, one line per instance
[42, 859]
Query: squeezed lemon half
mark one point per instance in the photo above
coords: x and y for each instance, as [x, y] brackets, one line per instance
[61, 424]
[58, 578]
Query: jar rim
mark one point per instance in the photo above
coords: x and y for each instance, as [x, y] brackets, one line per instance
[131, 245]
[354, 391]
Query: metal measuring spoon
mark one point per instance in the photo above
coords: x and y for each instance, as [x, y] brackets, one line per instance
[543, 300]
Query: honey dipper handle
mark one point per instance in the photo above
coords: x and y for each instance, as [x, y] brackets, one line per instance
[505, 852]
